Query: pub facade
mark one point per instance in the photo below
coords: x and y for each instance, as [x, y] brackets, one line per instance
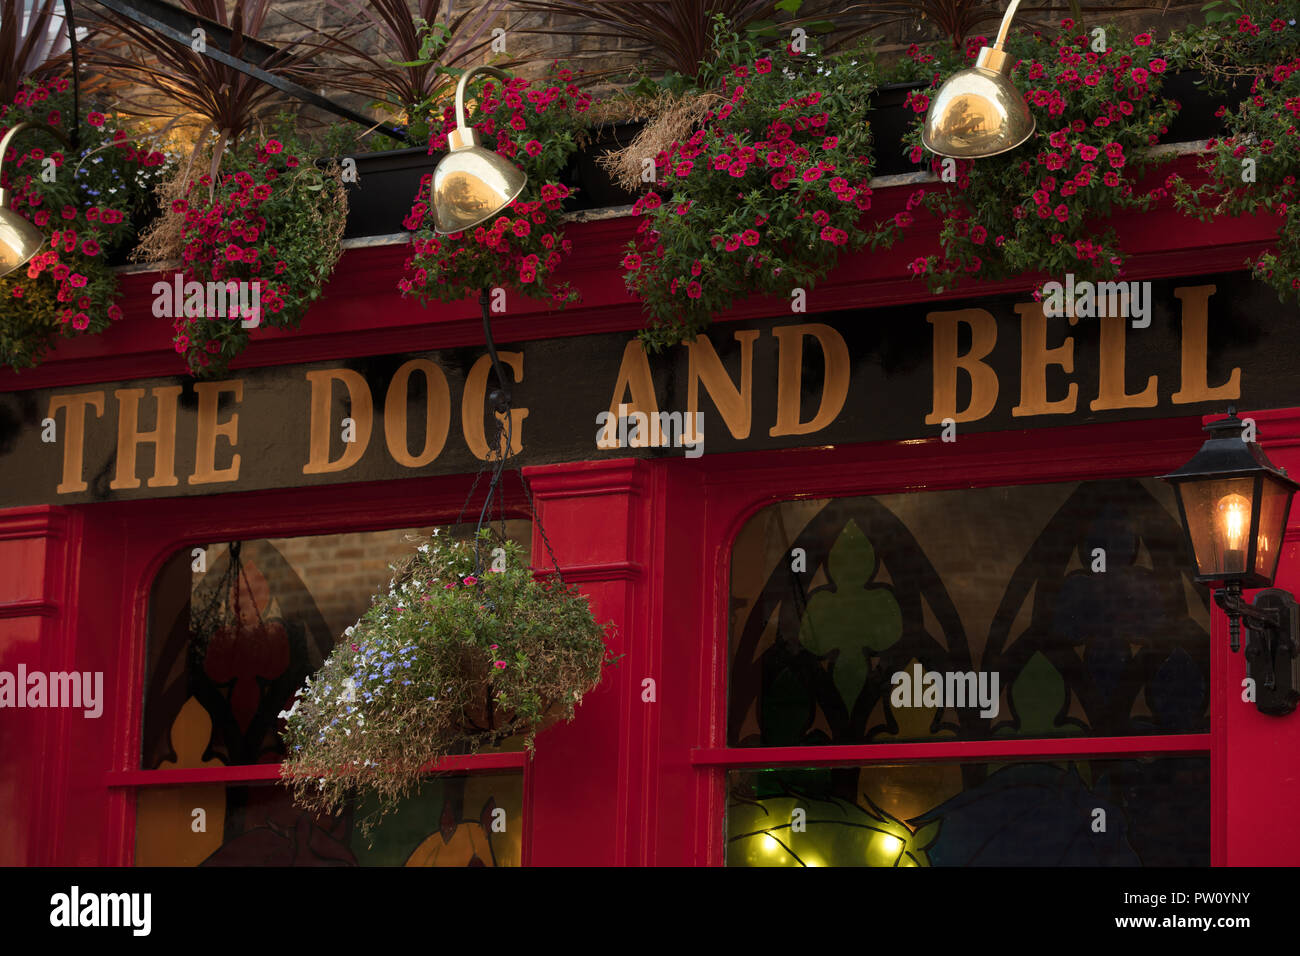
[892, 578]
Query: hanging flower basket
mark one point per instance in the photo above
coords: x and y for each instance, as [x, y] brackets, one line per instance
[83, 201]
[463, 650]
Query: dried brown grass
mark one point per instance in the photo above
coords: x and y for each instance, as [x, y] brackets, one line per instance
[670, 118]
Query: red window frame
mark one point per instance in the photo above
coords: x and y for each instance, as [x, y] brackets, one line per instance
[739, 487]
[164, 527]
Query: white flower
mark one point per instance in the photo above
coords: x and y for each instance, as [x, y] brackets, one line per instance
[286, 714]
[424, 549]
[349, 691]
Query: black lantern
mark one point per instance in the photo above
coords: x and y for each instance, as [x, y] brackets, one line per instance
[1234, 505]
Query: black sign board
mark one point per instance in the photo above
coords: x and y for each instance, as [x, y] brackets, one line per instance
[1187, 346]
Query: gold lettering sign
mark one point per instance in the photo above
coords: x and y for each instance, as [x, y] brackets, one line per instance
[437, 413]
[789, 378]
[130, 437]
[208, 430]
[471, 408]
[947, 362]
[1035, 357]
[322, 427]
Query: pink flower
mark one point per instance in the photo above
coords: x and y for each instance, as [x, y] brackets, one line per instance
[830, 142]
[750, 237]
[492, 647]
[95, 119]
[918, 265]
[470, 581]
[1142, 39]
[532, 147]
[693, 290]
[763, 65]
[500, 665]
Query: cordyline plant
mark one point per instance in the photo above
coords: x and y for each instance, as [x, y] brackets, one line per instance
[670, 35]
[84, 204]
[33, 41]
[273, 226]
[764, 198]
[193, 88]
[450, 659]
[533, 125]
[405, 58]
[1038, 208]
[1253, 168]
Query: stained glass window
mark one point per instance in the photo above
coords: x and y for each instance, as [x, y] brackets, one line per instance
[233, 631]
[1100, 812]
[1030, 611]
[1017, 613]
[454, 820]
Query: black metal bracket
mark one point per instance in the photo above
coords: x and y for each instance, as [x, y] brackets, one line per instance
[499, 397]
[178, 25]
[1273, 645]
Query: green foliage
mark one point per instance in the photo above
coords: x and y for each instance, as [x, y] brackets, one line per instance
[1253, 168]
[85, 209]
[763, 197]
[534, 125]
[1041, 208]
[451, 658]
[273, 221]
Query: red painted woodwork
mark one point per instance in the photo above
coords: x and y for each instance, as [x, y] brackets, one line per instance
[1256, 760]
[362, 313]
[943, 750]
[630, 781]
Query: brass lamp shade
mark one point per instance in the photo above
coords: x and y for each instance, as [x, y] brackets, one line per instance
[19, 239]
[472, 184]
[978, 112]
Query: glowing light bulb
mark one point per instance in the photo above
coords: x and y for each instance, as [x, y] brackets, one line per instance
[1234, 517]
[891, 845]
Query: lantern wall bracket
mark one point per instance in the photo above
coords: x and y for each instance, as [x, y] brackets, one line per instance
[1273, 644]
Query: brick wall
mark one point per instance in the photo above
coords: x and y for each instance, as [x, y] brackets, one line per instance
[340, 571]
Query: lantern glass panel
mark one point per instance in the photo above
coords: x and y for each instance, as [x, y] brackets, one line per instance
[1274, 499]
[1218, 514]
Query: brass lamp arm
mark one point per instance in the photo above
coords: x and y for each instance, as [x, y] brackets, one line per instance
[14, 131]
[461, 125]
[1006, 24]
